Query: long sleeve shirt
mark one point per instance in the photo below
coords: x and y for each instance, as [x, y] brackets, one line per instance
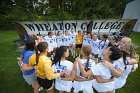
[44, 67]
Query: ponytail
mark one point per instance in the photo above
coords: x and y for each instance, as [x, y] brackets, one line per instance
[124, 55]
[37, 55]
[40, 47]
[56, 60]
[59, 63]
[132, 53]
[56, 57]
[87, 50]
[86, 68]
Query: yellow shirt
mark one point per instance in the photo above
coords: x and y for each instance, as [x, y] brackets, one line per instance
[79, 39]
[44, 67]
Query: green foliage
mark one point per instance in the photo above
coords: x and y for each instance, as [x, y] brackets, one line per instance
[22, 10]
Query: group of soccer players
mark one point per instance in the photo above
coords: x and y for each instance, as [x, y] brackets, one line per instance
[101, 64]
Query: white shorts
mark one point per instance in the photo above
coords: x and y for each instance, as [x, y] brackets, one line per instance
[85, 86]
[62, 85]
[103, 87]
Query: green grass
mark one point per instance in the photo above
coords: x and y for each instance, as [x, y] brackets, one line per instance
[11, 80]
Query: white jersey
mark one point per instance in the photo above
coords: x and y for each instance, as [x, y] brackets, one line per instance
[120, 82]
[50, 43]
[59, 41]
[85, 40]
[61, 84]
[85, 86]
[66, 40]
[118, 64]
[89, 41]
[102, 46]
[103, 72]
[54, 41]
[72, 38]
[95, 46]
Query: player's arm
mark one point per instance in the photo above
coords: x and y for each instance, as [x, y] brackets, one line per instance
[101, 80]
[83, 79]
[133, 61]
[49, 72]
[116, 72]
[26, 65]
[84, 73]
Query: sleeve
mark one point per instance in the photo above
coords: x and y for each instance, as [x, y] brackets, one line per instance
[71, 66]
[26, 59]
[96, 70]
[121, 66]
[49, 71]
[54, 68]
[32, 60]
[23, 52]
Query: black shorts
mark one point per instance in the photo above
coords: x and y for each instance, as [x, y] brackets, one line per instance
[78, 45]
[45, 83]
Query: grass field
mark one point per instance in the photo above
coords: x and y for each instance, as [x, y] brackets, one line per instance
[11, 80]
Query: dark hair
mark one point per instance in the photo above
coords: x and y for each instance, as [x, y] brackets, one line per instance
[49, 33]
[30, 44]
[116, 53]
[59, 53]
[85, 31]
[124, 55]
[115, 37]
[105, 36]
[121, 34]
[89, 34]
[58, 33]
[79, 31]
[40, 47]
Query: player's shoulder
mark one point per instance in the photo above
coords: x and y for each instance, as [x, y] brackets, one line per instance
[92, 61]
[69, 62]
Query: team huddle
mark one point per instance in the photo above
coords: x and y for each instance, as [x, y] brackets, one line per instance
[100, 64]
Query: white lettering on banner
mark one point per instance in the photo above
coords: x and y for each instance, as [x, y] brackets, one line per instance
[43, 27]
